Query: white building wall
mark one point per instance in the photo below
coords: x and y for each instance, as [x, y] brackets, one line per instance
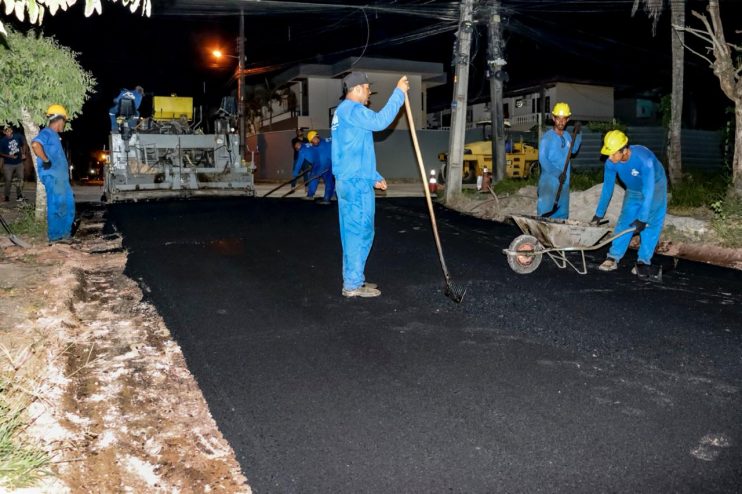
[323, 95]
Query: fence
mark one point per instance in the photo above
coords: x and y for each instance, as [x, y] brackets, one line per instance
[395, 155]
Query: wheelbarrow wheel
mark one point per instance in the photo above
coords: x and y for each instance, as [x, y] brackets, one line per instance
[529, 261]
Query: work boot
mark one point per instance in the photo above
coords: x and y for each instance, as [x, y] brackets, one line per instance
[362, 291]
[371, 285]
[608, 265]
[646, 272]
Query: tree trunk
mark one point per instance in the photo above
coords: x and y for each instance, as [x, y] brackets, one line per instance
[32, 130]
[674, 149]
[737, 160]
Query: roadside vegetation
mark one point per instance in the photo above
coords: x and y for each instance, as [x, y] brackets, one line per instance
[21, 463]
[701, 194]
[26, 225]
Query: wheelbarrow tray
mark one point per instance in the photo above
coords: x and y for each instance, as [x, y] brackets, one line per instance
[562, 234]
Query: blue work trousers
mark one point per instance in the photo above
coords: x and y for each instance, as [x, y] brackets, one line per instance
[356, 207]
[650, 236]
[329, 180]
[60, 206]
[548, 185]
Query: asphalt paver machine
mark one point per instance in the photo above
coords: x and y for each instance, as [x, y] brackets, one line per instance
[169, 156]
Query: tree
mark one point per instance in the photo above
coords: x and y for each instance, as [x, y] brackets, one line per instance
[725, 60]
[33, 11]
[674, 145]
[37, 72]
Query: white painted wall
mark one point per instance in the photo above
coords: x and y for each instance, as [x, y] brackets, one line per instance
[323, 95]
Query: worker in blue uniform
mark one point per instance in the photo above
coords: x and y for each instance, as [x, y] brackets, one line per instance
[645, 201]
[354, 167]
[305, 162]
[135, 97]
[322, 169]
[53, 171]
[552, 155]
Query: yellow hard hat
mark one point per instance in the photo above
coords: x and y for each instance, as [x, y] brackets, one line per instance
[561, 110]
[56, 111]
[311, 135]
[613, 141]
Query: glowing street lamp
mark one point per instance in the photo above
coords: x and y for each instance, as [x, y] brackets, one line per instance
[219, 54]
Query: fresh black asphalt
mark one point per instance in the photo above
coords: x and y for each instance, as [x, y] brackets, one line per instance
[547, 382]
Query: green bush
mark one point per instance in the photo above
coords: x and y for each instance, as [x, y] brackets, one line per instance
[698, 188]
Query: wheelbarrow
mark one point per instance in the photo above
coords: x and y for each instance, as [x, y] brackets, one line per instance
[555, 238]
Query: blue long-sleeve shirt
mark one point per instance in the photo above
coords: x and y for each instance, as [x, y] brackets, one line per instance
[307, 152]
[552, 152]
[324, 156]
[353, 124]
[640, 174]
[52, 144]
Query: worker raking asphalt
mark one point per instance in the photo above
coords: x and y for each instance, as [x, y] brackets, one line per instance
[546, 382]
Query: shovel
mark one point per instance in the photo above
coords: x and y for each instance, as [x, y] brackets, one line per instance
[286, 183]
[305, 183]
[453, 292]
[13, 238]
[562, 177]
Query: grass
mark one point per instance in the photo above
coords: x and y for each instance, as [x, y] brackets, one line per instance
[704, 195]
[701, 195]
[727, 221]
[698, 189]
[579, 180]
[21, 464]
[27, 225]
[585, 179]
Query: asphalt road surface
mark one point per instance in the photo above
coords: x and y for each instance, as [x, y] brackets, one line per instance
[547, 382]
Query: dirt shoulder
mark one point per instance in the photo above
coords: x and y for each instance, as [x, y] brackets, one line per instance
[686, 237]
[115, 405]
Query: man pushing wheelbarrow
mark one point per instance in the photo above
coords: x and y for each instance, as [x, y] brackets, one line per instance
[642, 213]
[644, 204]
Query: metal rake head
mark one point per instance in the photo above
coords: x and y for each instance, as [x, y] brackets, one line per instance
[455, 293]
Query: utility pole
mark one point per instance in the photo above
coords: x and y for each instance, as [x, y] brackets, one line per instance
[497, 76]
[460, 100]
[241, 85]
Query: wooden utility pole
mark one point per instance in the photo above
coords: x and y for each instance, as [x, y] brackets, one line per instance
[497, 76]
[460, 99]
[674, 128]
[241, 85]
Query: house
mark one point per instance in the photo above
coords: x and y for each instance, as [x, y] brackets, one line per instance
[309, 93]
[528, 106]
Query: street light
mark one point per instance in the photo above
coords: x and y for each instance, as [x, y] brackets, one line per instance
[219, 54]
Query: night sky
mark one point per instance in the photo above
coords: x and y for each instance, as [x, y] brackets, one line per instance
[576, 40]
